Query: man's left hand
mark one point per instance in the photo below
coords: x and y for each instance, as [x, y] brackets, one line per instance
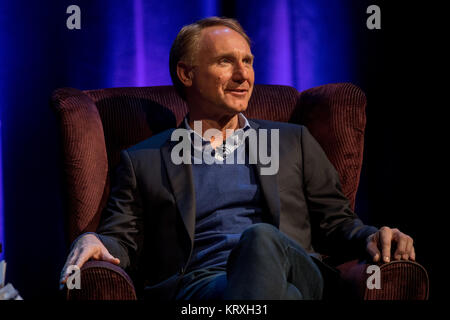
[386, 238]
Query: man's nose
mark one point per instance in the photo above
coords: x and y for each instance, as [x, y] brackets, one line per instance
[241, 72]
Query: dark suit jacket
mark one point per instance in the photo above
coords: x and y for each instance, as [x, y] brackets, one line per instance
[149, 221]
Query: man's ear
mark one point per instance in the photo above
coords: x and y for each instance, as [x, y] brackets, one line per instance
[185, 73]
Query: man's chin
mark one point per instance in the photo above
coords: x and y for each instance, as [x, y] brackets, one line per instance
[236, 109]
[237, 106]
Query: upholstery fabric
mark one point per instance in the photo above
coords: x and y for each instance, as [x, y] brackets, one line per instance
[103, 281]
[85, 160]
[399, 280]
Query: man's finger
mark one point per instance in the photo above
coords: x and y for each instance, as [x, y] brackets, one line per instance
[408, 249]
[70, 261]
[65, 274]
[372, 249]
[385, 243]
[84, 256]
[109, 258]
[79, 258]
[412, 256]
[401, 240]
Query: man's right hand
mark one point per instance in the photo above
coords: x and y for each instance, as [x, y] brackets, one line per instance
[87, 247]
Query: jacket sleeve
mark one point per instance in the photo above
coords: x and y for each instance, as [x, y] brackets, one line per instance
[336, 230]
[121, 227]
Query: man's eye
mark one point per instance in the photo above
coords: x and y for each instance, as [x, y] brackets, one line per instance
[224, 61]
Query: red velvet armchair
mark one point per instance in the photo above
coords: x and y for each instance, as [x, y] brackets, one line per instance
[97, 124]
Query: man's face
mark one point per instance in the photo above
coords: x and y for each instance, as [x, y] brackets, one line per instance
[223, 74]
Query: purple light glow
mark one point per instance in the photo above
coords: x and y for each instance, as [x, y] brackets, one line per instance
[209, 8]
[140, 43]
[280, 60]
[299, 43]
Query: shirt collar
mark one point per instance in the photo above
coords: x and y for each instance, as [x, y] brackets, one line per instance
[244, 125]
[233, 142]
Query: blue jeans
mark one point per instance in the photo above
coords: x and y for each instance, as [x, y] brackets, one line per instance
[264, 265]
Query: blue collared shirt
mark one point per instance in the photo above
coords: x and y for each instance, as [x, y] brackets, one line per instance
[233, 141]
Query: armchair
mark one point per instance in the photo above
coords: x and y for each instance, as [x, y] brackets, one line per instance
[95, 125]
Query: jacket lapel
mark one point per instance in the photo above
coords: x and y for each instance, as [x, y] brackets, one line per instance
[269, 183]
[182, 183]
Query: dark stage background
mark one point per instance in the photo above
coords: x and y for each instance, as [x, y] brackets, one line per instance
[301, 43]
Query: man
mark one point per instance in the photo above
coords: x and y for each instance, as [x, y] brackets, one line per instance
[228, 231]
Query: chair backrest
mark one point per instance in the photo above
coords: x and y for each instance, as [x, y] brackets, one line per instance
[97, 124]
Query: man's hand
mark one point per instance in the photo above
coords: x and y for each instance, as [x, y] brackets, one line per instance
[386, 238]
[87, 247]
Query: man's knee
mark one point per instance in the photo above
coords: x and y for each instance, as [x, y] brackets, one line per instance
[260, 232]
[264, 233]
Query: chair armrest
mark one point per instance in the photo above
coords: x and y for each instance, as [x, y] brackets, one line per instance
[399, 280]
[101, 280]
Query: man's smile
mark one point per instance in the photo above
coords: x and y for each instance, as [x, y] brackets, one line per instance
[237, 92]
